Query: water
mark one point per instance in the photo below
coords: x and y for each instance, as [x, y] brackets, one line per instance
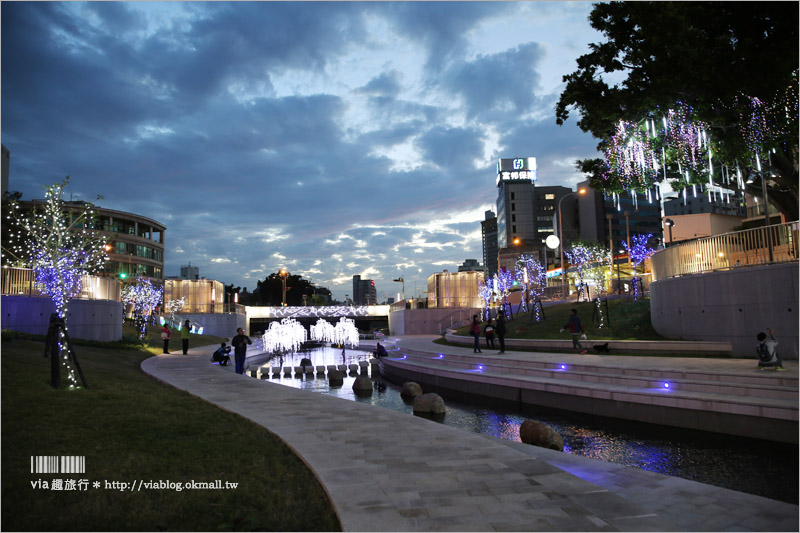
[754, 466]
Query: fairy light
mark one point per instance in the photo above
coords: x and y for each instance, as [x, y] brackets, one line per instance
[53, 240]
[639, 251]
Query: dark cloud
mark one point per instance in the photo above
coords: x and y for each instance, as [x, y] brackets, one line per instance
[498, 86]
[241, 127]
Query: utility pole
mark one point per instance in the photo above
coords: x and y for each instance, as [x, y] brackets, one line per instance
[611, 251]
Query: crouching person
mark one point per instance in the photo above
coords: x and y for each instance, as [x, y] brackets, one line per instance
[221, 355]
[768, 356]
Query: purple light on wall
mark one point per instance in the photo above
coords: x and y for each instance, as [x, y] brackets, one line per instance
[563, 367]
[666, 384]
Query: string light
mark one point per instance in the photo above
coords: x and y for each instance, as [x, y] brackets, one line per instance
[639, 251]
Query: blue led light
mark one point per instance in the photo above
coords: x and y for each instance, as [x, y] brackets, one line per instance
[563, 367]
[666, 384]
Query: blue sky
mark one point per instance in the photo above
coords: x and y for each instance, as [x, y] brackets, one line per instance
[331, 139]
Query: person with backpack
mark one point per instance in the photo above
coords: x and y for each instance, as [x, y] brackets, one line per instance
[768, 356]
[221, 355]
[475, 331]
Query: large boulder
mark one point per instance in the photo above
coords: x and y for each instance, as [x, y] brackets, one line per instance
[305, 361]
[539, 434]
[430, 403]
[410, 390]
[362, 386]
[335, 378]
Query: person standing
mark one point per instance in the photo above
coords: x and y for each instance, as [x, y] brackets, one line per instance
[165, 334]
[488, 332]
[768, 355]
[185, 336]
[475, 330]
[575, 328]
[240, 342]
[500, 329]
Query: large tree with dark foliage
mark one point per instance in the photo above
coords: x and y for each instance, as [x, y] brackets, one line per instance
[270, 291]
[729, 67]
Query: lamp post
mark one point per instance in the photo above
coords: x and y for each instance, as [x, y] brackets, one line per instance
[283, 273]
[401, 280]
[561, 238]
[669, 223]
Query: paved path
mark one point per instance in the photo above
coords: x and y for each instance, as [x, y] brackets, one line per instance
[388, 471]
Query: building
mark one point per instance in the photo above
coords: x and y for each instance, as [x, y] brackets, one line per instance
[602, 219]
[454, 289]
[364, 292]
[489, 241]
[190, 272]
[136, 242]
[698, 216]
[516, 214]
[547, 201]
[472, 265]
[200, 295]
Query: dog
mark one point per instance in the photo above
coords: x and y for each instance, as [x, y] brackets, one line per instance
[601, 348]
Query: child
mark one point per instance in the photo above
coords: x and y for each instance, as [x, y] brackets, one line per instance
[768, 356]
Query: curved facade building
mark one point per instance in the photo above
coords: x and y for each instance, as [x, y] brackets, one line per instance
[137, 242]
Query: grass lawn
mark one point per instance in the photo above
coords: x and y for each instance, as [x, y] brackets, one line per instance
[625, 320]
[131, 427]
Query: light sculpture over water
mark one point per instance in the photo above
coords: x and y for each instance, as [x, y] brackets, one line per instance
[284, 336]
[346, 333]
[322, 331]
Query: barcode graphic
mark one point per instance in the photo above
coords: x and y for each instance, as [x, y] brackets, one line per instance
[58, 464]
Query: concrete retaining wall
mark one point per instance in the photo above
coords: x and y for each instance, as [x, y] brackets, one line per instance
[425, 321]
[218, 324]
[732, 306]
[99, 320]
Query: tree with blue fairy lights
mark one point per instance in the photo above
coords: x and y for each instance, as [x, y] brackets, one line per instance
[639, 251]
[144, 297]
[61, 246]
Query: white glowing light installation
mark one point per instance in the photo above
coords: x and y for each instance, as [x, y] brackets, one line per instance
[284, 336]
[323, 331]
[346, 333]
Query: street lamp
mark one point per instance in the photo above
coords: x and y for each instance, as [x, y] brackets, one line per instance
[669, 223]
[283, 273]
[401, 280]
[561, 238]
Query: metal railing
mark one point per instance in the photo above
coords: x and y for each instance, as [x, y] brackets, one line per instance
[212, 308]
[21, 282]
[758, 246]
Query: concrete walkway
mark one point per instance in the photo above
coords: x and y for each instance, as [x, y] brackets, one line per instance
[388, 471]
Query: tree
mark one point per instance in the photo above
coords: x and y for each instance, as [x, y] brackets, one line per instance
[581, 254]
[728, 69]
[60, 246]
[639, 251]
[270, 291]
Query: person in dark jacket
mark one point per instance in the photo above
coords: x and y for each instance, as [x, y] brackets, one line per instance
[488, 332]
[475, 331]
[221, 355]
[576, 329]
[500, 330]
[240, 342]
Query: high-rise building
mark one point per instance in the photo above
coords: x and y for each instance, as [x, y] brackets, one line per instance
[547, 199]
[471, 265]
[516, 215]
[599, 212]
[190, 272]
[489, 239]
[364, 292]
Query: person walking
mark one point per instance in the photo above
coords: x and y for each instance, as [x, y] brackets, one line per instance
[488, 332]
[165, 334]
[185, 336]
[240, 342]
[575, 328]
[475, 330]
[500, 330]
[768, 356]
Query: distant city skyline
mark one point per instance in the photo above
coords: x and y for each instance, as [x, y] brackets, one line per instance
[330, 139]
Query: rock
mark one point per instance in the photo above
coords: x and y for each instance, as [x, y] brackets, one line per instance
[305, 361]
[410, 390]
[362, 386]
[429, 403]
[335, 378]
[539, 434]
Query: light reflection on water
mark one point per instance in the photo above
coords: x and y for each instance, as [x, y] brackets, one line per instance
[748, 465]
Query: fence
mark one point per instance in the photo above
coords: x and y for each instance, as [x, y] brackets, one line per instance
[759, 246]
[21, 282]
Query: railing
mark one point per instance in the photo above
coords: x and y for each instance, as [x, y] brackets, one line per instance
[758, 246]
[210, 308]
[20, 282]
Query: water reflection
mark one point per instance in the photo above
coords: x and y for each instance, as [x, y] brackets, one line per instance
[748, 465]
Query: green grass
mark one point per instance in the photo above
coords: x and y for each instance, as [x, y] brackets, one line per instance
[131, 427]
[625, 320]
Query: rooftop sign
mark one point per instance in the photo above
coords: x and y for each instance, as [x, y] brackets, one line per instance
[518, 168]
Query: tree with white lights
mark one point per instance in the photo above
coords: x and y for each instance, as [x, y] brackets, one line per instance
[60, 246]
[533, 277]
[144, 297]
[582, 254]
